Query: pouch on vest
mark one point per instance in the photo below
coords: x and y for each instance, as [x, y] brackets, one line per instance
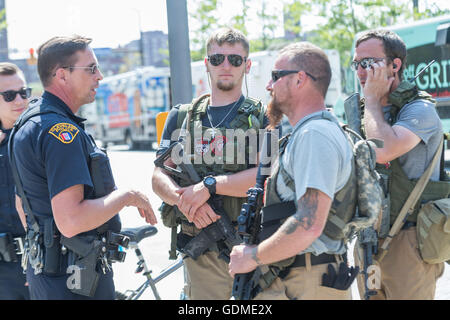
[52, 258]
[433, 231]
[169, 215]
[101, 174]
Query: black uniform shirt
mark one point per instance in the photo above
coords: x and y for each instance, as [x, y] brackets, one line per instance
[9, 218]
[52, 154]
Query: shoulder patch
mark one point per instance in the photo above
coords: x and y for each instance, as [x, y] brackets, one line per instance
[64, 132]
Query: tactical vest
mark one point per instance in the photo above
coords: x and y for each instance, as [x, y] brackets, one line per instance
[398, 185]
[250, 115]
[342, 209]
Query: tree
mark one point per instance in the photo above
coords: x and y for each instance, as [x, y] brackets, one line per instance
[202, 20]
[238, 21]
[269, 23]
[292, 13]
[2, 19]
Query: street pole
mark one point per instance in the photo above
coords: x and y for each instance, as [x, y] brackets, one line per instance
[179, 52]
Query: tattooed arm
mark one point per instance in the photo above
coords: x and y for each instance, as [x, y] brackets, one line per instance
[296, 234]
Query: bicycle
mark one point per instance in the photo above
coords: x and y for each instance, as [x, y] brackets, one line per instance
[136, 235]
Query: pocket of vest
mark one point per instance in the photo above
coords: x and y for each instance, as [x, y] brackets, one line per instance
[101, 174]
[433, 231]
[52, 259]
[168, 215]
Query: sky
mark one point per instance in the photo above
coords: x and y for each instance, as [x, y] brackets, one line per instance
[108, 22]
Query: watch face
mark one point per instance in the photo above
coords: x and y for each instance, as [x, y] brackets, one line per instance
[209, 181]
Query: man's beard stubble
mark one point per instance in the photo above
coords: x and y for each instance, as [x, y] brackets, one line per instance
[225, 87]
[274, 113]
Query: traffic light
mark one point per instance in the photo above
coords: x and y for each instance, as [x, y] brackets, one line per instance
[32, 59]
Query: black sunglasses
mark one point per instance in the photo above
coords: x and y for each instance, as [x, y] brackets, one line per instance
[365, 63]
[277, 74]
[218, 58]
[10, 95]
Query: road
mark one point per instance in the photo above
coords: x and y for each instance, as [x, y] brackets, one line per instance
[133, 169]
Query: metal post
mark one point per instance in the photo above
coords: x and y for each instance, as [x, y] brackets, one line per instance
[179, 52]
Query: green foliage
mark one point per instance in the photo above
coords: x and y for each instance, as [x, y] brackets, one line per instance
[2, 19]
[238, 21]
[203, 19]
[293, 13]
[269, 23]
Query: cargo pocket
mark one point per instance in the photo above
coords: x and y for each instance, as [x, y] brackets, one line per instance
[327, 293]
[277, 291]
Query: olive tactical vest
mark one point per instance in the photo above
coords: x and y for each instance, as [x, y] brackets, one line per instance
[250, 115]
[398, 185]
[343, 206]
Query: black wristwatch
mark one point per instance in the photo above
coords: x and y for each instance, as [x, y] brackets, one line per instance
[210, 183]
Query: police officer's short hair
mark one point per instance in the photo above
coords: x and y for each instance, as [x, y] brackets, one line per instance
[10, 69]
[58, 52]
[308, 57]
[227, 35]
[393, 45]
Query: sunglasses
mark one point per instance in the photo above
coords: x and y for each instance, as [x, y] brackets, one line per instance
[92, 69]
[234, 59]
[365, 63]
[277, 74]
[10, 95]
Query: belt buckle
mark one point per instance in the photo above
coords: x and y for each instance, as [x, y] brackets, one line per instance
[19, 245]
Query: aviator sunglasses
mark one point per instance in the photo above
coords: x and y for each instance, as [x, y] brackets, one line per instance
[10, 95]
[365, 63]
[234, 59]
[277, 74]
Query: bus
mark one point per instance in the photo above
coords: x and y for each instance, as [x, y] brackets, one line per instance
[425, 40]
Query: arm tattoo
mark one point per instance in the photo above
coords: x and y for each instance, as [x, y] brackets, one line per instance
[305, 215]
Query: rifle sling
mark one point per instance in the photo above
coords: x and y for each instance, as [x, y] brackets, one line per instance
[410, 203]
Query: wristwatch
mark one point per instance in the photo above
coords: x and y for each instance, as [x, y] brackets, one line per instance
[210, 183]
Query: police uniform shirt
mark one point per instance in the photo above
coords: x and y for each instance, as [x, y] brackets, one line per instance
[9, 218]
[52, 154]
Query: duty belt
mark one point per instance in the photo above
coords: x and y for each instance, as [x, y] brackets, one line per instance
[300, 260]
[11, 248]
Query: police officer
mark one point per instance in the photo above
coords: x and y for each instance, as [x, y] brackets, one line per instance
[407, 121]
[299, 236]
[13, 102]
[207, 119]
[65, 182]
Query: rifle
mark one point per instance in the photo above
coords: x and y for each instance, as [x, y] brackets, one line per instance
[246, 286]
[368, 237]
[220, 232]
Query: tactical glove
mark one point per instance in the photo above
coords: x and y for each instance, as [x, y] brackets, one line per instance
[343, 279]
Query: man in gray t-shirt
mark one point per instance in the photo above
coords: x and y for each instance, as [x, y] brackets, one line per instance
[325, 168]
[411, 133]
[314, 165]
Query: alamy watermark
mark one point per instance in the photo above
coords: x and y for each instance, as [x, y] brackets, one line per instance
[226, 147]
